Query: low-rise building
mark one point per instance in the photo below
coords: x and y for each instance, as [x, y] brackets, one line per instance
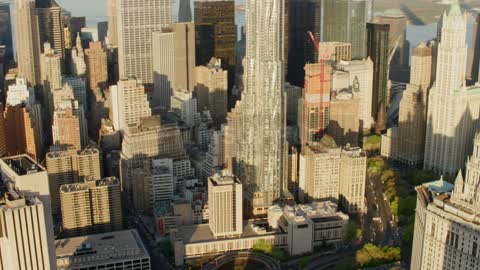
[113, 250]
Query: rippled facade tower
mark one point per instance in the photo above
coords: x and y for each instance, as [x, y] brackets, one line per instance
[262, 146]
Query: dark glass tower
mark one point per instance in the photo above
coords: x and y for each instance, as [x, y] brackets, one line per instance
[185, 11]
[378, 42]
[6, 30]
[304, 16]
[216, 33]
[345, 21]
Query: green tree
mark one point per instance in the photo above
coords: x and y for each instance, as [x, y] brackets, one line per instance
[304, 261]
[351, 232]
[267, 248]
[347, 264]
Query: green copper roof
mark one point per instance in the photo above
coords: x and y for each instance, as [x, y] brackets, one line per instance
[440, 186]
[455, 9]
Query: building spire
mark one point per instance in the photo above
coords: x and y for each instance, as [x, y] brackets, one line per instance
[455, 9]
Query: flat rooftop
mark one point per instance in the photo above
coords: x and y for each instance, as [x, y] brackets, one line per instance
[202, 233]
[23, 165]
[98, 249]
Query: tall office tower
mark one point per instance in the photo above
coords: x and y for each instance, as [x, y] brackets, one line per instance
[398, 41]
[225, 200]
[24, 241]
[215, 33]
[304, 16]
[112, 36]
[96, 61]
[31, 179]
[361, 83]
[183, 107]
[447, 218]
[345, 21]
[6, 31]
[67, 166]
[149, 139]
[75, 24]
[93, 206]
[263, 151]
[136, 21]
[378, 42]
[50, 25]
[173, 61]
[319, 171]
[78, 65]
[452, 108]
[129, 104]
[156, 184]
[27, 41]
[335, 51]
[211, 90]
[315, 113]
[407, 142]
[474, 54]
[79, 89]
[353, 179]
[102, 29]
[185, 11]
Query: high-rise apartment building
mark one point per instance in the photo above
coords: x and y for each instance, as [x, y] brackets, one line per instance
[24, 243]
[173, 61]
[154, 185]
[51, 69]
[225, 200]
[3, 132]
[452, 117]
[69, 128]
[184, 11]
[136, 21]
[378, 44]
[407, 143]
[23, 121]
[27, 41]
[304, 16]
[50, 25]
[263, 149]
[79, 89]
[446, 231]
[97, 66]
[67, 166]
[183, 108]
[129, 103]
[319, 172]
[91, 207]
[315, 114]
[397, 40]
[211, 90]
[151, 138]
[32, 180]
[345, 21]
[215, 34]
[352, 182]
